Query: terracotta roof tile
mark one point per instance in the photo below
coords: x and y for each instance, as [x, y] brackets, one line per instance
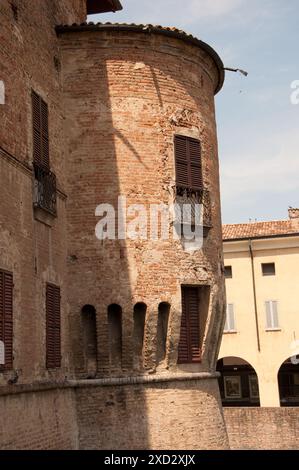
[259, 229]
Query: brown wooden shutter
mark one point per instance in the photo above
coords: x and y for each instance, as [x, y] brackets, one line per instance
[6, 316]
[189, 344]
[40, 131]
[53, 334]
[188, 162]
[194, 149]
[183, 352]
[194, 327]
[181, 161]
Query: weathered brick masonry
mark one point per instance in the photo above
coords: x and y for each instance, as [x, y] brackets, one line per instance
[117, 96]
[163, 415]
[262, 428]
[41, 420]
[35, 252]
[126, 95]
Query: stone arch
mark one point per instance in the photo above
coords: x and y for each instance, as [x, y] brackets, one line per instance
[139, 316]
[288, 382]
[238, 382]
[115, 335]
[162, 331]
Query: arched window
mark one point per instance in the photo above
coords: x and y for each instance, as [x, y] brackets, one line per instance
[138, 333]
[163, 319]
[89, 329]
[115, 335]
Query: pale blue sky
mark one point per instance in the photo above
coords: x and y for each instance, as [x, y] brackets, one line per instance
[258, 127]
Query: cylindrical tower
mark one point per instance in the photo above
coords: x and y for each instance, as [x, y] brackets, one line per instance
[140, 132]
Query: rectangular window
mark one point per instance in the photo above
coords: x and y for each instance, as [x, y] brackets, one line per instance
[268, 269]
[40, 131]
[53, 341]
[188, 162]
[45, 181]
[228, 272]
[189, 346]
[271, 315]
[6, 318]
[232, 387]
[230, 318]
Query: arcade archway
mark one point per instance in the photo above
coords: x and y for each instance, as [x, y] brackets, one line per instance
[238, 382]
[288, 382]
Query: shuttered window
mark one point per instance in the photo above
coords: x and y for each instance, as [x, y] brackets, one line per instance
[189, 345]
[6, 317]
[40, 131]
[271, 315]
[188, 162]
[230, 318]
[53, 341]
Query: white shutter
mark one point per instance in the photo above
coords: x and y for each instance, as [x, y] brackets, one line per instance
[271, 314]
[274, 315]
[268, 315]
[226, 319]
[230, 318]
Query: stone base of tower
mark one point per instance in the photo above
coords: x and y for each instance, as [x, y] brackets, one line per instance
[161, 413]
[149, 412]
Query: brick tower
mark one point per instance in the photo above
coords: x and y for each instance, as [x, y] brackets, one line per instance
[140, 123]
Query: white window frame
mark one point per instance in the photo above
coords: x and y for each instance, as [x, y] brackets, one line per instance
[230, 323]
[272, 326]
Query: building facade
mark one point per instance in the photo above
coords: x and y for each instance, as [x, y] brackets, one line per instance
[259, 351]
[104, 334]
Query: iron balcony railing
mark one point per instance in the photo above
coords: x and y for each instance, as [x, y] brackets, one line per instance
[190, 197]
[45, 191]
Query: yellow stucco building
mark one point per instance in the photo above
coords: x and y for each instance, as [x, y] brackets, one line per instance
[259, 355]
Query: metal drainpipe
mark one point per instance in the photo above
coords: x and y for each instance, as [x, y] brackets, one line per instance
[254, 296]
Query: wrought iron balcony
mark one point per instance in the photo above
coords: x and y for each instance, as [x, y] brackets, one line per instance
[45, 193]
[188, 196]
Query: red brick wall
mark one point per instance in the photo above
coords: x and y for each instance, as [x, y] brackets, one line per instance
[33, 251]
[39, 421]
[167, 415]
[162, 415]
[28, 48]
[35, 254]
[262, 428]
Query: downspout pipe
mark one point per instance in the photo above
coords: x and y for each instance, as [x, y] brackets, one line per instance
[254, 296]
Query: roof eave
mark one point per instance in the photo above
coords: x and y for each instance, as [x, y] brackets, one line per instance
[94, 7]
[261, 237]
[150, 29]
